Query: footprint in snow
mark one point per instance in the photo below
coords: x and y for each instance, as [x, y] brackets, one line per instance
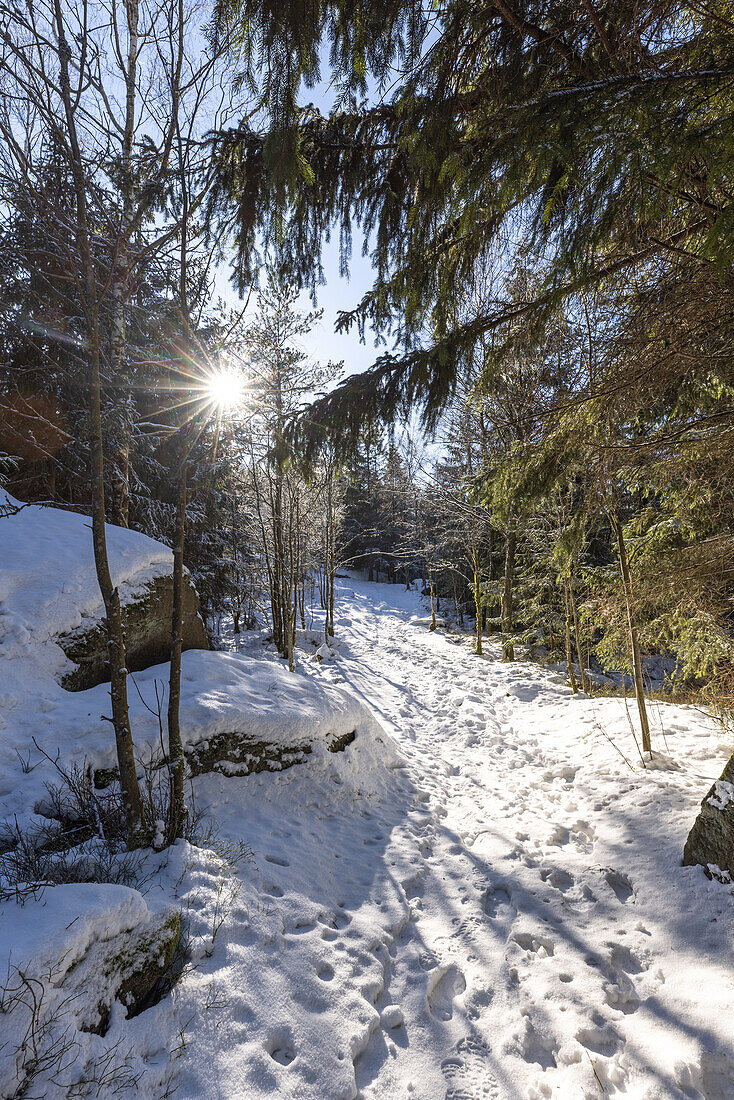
[498, 904]
[444, 986]
[302, 927]
[427, 960]
[468, 1076]
[557, 877]
[620, 884]
[272, 891]
[280, 1046]
[623, 959]
[599, 1040]
[277, 860]
[542, 946]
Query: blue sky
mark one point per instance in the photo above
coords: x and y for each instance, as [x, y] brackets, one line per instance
[324, 344]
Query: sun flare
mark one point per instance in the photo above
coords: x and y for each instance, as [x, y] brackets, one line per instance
[225, 388]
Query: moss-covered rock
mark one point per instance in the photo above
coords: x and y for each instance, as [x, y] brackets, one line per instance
[147, 625]
[236, 754]
[711, 840]
[136, 968]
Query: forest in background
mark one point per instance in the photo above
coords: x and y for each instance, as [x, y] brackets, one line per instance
[546, 190]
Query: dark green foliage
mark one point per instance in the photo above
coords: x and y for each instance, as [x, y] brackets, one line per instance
[602, 137]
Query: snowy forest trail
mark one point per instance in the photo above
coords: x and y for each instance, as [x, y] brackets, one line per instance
[537, 959]
[481, 899]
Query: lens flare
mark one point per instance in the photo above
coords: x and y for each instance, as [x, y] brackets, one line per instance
[225, 388]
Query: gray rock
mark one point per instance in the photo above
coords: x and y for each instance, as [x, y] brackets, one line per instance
[236, 754]
[136, 968]
[711, 840]
[147, 625]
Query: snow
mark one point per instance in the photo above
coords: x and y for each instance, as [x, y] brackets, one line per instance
[48, 584]
[514, 892]
[482, 897]
[57, 927]
[50, 948]
[723, 795]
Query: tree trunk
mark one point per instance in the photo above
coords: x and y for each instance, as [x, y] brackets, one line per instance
[330, 612]
[330, 554]
[119, 285]
[290, 645]
[508, 650]
[134, 819]
[477, 603]
[120, 490]
[177, 807]
[634, 639]
[457, 609]
[135, 823]
[577, 635]
[569, 652]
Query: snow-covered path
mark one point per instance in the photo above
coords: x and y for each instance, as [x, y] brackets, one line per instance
[505, 916]
[539, 937]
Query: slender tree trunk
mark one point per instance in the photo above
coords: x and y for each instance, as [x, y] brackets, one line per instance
[120, 489]
[577, 635]
[332, 552]
[634, 638]
[569, 651]
[135, 823]
[477, 602]
[177, 807]
[120, 282]
[433, 601]
[279, 606]
[457, 609]
[290, 645]
[332, 586]
[136, 831]
[508, 650]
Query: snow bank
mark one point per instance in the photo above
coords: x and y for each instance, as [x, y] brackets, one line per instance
[259, 698]
[48, 583]
[75, 962]
[269, 1007]
[51, 933]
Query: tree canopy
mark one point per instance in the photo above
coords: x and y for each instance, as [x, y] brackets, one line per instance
[599, 136]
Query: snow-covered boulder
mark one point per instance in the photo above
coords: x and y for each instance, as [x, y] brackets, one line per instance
[242, 714]
[49, 593]
[72, 958]
[147, 623]
[711, 840]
